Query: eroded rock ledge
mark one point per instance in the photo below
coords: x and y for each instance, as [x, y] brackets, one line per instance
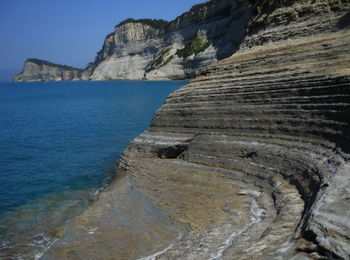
[248, 161]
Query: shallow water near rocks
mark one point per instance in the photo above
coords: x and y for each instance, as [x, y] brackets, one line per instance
[59, 143]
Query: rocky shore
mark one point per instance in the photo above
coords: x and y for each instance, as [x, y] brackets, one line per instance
[250, 160]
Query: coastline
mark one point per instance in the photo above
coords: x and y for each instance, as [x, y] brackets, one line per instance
[28, 226]
[95, 223]
[105, 225]
[244, 157]
[249, 160]
[112, 80]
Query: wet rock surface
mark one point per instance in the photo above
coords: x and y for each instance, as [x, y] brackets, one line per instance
[248, 161]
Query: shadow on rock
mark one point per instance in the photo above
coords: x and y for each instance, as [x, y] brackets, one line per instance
[344, 21]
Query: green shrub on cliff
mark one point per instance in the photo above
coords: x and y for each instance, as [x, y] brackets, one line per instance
[197, 7]
[155, 23]
[159, 59]
[48, 63]
[266, 3]
[195, 46]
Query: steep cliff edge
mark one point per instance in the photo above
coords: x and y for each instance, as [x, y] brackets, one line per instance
[146, 49]
[161, 50]
[41, 70]
[248, 161]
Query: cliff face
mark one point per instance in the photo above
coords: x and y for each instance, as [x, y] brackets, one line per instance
[139, 49]
[40, 70]
[248, 161]
[156, 49]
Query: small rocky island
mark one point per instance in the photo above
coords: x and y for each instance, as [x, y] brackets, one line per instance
[250, 160]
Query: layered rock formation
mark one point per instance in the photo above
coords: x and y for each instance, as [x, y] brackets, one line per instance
[41, 70]
[248, 161]
[161, 50]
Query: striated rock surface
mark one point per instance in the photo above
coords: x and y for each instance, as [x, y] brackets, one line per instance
[41, 70]
[248, 161]
[162, 50]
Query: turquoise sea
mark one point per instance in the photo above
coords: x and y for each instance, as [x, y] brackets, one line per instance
[59, 144]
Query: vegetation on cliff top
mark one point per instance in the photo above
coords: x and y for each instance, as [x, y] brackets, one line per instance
[194, 47]
[263, 8]
[266, 3]
[209, 9]
[156, 23]
[47, 63]
[201, 5]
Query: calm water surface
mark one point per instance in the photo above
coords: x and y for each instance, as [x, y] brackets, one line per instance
[59, 143]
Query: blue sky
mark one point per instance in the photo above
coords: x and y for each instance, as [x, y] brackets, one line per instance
[68, 32]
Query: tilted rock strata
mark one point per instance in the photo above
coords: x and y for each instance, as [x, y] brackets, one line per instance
[277, 110]
[258, 145]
